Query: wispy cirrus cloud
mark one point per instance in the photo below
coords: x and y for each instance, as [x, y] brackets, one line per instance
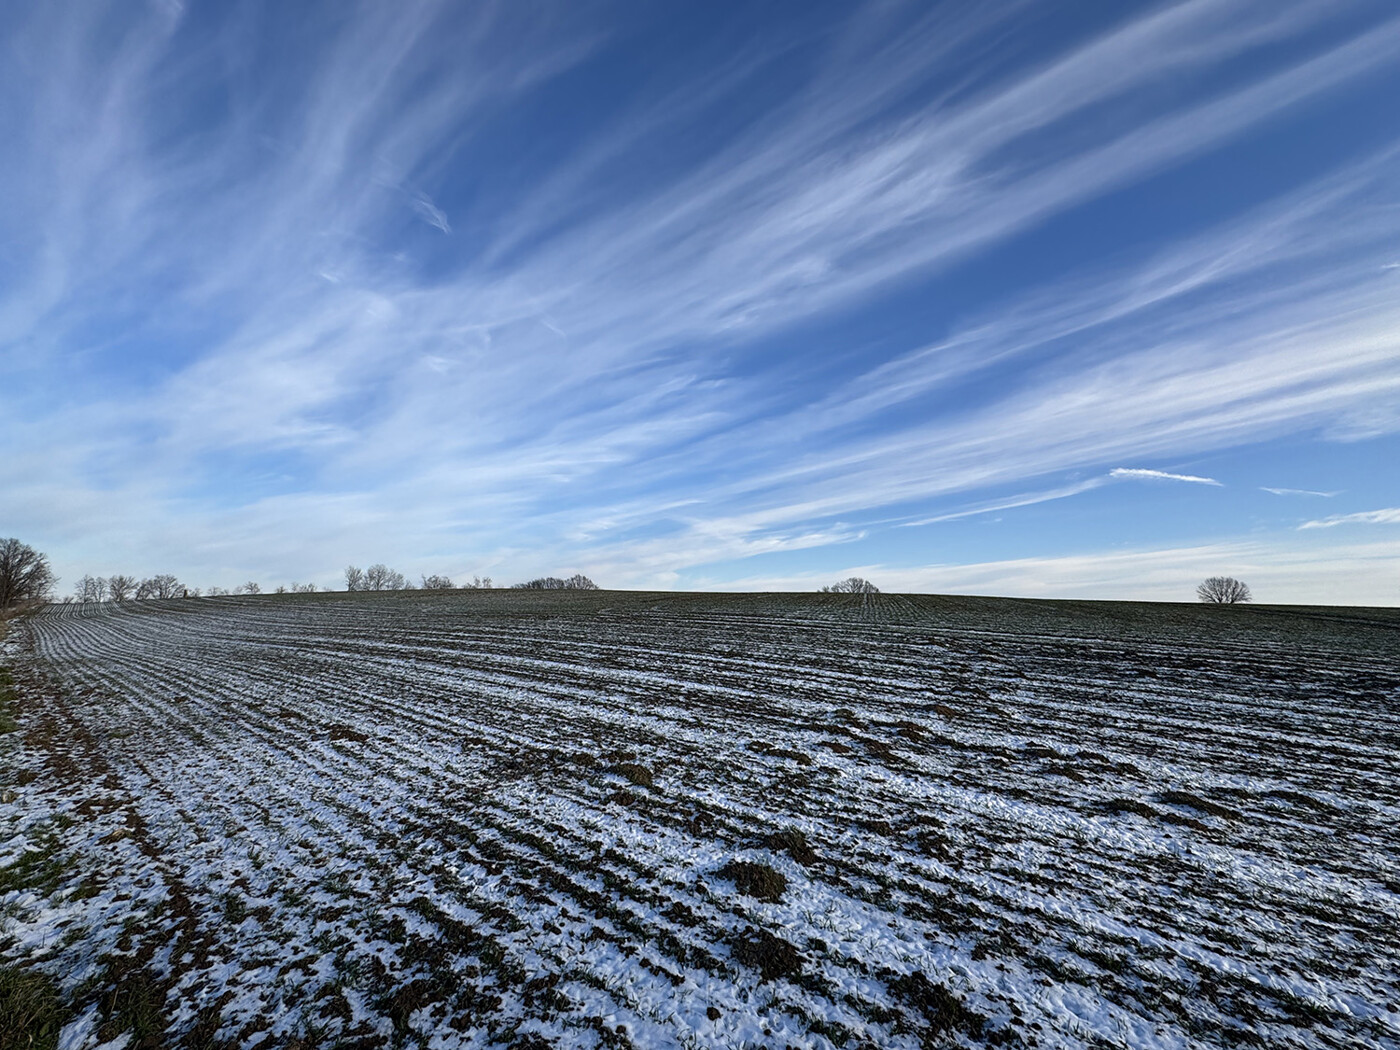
[610, 360]
[1143, 474]
[1386, 516]
[1297, 492]
[1023, 499]
[431, 213]
[1026, 499]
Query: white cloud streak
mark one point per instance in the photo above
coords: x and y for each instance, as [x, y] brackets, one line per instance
[1386, 516]
[587, 383]
[1025, 499]
[431, 213]
[1142, 474]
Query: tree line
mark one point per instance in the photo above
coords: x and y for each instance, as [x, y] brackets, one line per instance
[380, 577]
[577, 582]
[121, 588]
[27, 579]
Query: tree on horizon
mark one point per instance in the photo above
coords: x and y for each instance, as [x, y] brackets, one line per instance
[1223, 590]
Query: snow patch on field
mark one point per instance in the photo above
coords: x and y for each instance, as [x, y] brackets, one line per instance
[485, 819]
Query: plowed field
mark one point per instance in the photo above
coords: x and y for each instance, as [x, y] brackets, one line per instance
[640, 820]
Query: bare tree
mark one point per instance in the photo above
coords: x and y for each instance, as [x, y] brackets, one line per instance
[162, 586]
[121, 587]
[90, 589]
[25, 575]
[248, 588]
[577, 582]
[851, 585]
[379, 577]
[1223, 590]
[479, 583]
[214, 592]
[303, 588]
[438, 583]
[354, 578]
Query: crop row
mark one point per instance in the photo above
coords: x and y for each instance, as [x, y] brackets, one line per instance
[615, 820]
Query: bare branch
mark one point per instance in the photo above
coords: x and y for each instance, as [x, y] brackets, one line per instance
[1223, 590]
[25, 575]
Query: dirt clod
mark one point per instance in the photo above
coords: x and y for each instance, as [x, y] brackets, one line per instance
[941, 1010]
[771, 956]
[755, 880]
[792, 842]
[636, 774]
[1201, 805]
[1118, 806]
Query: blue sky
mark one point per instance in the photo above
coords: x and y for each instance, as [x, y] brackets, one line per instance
[1064, 300]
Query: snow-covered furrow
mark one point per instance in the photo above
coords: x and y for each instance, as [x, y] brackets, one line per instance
[610, 820]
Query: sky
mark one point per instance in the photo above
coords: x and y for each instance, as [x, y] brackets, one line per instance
[1073, 300]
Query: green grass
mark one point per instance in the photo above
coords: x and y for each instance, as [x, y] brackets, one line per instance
[129, 999]
[7, 701]
[31, 1012]
[39, 868]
